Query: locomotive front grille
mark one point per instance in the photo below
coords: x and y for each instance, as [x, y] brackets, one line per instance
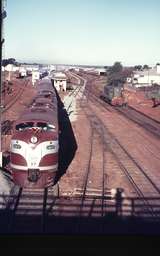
[33, 175]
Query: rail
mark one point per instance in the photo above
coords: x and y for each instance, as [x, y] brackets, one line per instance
[124, 159]
[16, 97]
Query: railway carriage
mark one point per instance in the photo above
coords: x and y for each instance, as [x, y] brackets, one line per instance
[35, 142]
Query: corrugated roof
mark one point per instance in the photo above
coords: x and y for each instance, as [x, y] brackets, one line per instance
[59, 75]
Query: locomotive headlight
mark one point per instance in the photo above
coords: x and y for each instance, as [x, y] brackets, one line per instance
[34, 139]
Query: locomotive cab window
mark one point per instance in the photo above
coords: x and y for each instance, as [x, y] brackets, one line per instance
[38, 104]
[51, 127]
[45, 126]
[24, 126]
[20, 127]
[42, 125]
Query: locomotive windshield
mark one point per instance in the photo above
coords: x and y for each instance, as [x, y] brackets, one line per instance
[24, 126]
[40, 125]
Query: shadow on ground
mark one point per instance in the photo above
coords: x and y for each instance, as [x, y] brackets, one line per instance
[67, 141]
[61, 215]
[110, 223]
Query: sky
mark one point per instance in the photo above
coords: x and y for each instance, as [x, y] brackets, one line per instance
[91, 32]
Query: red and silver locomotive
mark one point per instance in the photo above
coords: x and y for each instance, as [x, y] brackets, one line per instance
[35, 143]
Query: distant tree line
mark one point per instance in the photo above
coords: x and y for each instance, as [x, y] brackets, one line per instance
[5, 62]
[13, 61]
[141, 68]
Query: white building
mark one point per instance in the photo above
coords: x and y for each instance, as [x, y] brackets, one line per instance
[146, 77]
[60, 81]
[76, 69]
[35, 76]
[11, 68]
[22, 72]
[100, 71]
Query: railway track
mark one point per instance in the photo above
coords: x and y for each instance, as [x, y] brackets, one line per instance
[109, 108]
[15, 97]
[141, 181]
[73, 95]
[25, 203]
[150, 125]
[137, 176]
[93, 198]
[90, 187]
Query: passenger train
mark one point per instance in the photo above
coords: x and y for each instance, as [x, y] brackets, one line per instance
[35, 142]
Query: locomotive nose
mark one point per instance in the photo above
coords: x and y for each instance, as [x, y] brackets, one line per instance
[33, 175]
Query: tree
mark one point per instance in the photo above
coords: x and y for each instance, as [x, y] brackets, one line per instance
[145, 66]
[117, 67]
[5, 62]
[138, 67]
[115, 74]
[11, 61]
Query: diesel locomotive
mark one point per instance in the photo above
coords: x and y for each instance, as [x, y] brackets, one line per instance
[114, 94]
[35, 142]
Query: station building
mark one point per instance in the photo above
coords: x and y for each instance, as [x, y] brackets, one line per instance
[35, 76]
[60, 81]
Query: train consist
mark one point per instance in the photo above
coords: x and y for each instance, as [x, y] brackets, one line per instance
[114, 95]
[35, 142]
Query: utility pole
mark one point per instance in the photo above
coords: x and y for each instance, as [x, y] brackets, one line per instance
[3, 15]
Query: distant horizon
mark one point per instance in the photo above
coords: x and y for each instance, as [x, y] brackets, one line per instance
[79, 64]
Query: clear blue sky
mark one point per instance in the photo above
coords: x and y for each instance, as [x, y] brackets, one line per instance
[96, 32]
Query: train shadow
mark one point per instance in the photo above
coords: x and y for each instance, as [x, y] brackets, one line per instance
[67, 141]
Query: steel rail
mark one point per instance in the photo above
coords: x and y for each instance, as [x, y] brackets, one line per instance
[27, 201]
[17, 96]
[149, 125]
[130, 177]
[101, 133]
[127, 173]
